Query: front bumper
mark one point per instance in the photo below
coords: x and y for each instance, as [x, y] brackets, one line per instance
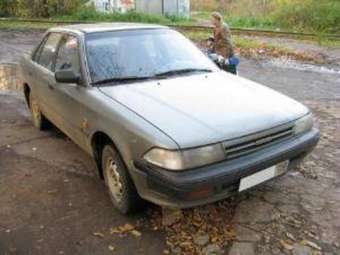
[215, 182]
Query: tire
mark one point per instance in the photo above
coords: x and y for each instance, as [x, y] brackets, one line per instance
[119, 184]
[38, 119]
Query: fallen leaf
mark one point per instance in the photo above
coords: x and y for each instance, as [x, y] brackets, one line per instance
[98, 234]
[114, 231]
[185, 244]
[311, 244]
[126, 228]
[286, 245]
[136, 233]
[290, 236]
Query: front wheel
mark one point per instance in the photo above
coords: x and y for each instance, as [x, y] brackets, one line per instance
[120, 186]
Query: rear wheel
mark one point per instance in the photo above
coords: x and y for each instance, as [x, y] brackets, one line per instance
[120, 186]
[38, 118]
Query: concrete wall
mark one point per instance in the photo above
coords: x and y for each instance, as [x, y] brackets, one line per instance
[150, 6]
[183, 8]
[177, 7]
[163, 7]
[112, 5]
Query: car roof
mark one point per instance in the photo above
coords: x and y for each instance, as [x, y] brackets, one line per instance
[103, 27]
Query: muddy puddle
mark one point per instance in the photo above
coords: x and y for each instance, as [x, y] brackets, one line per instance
[9, 77]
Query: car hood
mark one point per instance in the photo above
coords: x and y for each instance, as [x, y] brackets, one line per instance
[206, 108]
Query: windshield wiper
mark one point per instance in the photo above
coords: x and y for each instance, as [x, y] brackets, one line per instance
[182, 71]
[157, 75]
[122, 80]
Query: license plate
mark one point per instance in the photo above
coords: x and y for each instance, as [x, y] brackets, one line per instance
[262, 176]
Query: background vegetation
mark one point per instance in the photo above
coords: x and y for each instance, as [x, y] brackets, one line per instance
[74, 10]
[321, 16]
[39, 8]
[300, 15]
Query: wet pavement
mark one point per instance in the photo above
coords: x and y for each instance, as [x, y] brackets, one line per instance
[53, 203]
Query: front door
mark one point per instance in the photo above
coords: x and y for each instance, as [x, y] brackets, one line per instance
[67, 97]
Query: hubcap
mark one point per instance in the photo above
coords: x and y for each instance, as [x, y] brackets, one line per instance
[114, 180]
[35, 113]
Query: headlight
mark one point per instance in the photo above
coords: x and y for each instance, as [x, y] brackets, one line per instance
[185, 159]
[303, 124]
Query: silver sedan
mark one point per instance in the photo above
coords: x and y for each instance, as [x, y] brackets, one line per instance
[161, 120]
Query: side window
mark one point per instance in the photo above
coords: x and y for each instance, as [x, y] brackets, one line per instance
[68, 54]
[48, 52]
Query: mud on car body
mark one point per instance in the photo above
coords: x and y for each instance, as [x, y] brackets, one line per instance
[162, 121]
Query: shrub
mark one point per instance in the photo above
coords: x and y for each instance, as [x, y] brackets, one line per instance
[7, 7]
[312, 15]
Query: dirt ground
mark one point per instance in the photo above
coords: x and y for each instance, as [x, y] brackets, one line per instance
[53, 203]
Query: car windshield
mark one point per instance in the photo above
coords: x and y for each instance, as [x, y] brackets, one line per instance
[142, 54]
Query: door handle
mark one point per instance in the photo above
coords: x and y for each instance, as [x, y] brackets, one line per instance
[50, 86]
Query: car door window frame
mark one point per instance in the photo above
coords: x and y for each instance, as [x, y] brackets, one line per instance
[38, 49]
[37, 53]
[64, 35]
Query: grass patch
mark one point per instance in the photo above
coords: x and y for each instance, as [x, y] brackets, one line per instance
[25, 25]
[240, 42]
[329, 43]
[254, 48]
[238, 21]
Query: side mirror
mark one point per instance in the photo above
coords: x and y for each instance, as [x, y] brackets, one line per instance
[67, 76]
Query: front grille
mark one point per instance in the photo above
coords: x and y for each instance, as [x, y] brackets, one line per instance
[252, 143]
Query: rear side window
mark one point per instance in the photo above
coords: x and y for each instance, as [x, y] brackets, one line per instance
[68, 54]
[46, 53]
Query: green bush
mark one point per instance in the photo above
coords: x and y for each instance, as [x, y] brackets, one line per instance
[310, 15]
[7, 7]
[38, 8]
